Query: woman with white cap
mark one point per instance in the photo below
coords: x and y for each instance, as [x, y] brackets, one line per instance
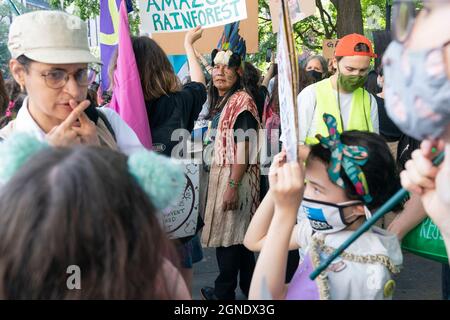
[54, 71]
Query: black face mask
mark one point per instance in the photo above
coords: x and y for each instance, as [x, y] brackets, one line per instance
[316, 75]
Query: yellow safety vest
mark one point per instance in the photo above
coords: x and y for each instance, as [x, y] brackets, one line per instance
[326, 102]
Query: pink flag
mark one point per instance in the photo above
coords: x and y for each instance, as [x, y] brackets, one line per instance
[128, 98]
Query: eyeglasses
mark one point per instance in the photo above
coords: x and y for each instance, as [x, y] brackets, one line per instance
[56, 79]
[404, 14]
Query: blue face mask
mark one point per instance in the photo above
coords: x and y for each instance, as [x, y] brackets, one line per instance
[417, 90]
[326, 217]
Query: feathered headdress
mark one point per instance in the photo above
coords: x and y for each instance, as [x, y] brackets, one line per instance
[231, 49]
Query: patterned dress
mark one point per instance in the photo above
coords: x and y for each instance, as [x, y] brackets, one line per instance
[224, 229]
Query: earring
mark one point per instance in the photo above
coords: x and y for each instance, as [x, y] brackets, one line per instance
[22, 88]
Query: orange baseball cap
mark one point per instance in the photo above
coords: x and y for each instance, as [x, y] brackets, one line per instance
[346, 46]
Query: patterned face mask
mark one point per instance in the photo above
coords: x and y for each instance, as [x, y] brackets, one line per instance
[417, 90]
[326, 217]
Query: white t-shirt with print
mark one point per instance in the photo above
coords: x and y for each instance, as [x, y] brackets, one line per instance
[349, 280]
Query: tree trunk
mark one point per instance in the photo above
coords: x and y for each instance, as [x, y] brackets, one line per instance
[349, 17]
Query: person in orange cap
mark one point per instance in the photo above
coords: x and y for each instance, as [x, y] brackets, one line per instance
[342, 95]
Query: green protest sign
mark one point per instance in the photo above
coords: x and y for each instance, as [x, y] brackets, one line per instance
[426, 240]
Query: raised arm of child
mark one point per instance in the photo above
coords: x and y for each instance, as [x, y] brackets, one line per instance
[287, 185]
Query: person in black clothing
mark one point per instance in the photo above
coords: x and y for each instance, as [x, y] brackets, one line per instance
[251, 79]
[375, 85]
[171, 106]
[372, 84]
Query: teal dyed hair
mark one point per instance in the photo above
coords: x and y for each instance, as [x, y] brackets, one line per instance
[15, 152]
[161, 178]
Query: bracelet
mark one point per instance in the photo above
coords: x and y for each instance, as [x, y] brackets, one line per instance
[233, 184]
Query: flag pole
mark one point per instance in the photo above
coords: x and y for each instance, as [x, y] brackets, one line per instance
[13, 5]
[292, 58]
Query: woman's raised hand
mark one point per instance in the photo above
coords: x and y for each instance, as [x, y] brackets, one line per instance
[193, 35]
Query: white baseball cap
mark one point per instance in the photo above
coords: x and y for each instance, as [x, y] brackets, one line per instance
[54, 37]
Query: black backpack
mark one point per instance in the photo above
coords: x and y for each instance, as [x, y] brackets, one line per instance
[105, 120]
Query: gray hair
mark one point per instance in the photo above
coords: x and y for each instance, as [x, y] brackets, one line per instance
[322, 60]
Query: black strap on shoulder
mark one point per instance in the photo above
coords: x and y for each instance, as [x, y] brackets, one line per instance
[107, 124]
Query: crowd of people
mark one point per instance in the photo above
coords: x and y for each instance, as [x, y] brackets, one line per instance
[77, 187]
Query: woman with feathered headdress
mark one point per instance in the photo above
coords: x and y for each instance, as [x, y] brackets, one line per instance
[233, 189]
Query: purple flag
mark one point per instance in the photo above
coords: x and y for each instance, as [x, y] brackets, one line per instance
[109, 34]
[301, 287]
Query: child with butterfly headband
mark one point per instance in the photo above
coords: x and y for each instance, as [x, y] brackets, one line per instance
[347, 176]
[90, 209]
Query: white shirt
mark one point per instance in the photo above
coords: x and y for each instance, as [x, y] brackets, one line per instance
[306, 105]
[205, 111]
[126, 138]
[349, 280]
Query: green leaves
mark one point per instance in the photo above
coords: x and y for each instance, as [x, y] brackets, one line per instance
[85, 9]
[6, 15]
[310, 32]
[89, 9]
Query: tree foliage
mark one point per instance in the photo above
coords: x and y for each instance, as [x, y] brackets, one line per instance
[332, 19]
[6, 16]
[309, 33]
[89, 9]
